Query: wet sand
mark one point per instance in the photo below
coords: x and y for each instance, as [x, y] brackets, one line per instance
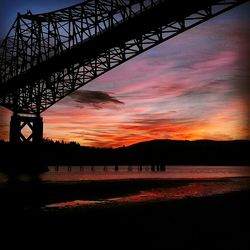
[213, 222]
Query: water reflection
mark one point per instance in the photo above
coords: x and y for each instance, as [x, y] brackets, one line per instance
[74, 204]
[103, 186]
[82, 173]
[189, 190]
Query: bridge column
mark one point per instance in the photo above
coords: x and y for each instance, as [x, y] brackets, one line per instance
[19, 122]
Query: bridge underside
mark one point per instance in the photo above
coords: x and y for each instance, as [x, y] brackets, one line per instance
[46, 57]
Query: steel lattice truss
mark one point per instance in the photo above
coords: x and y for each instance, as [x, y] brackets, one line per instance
[47, 56]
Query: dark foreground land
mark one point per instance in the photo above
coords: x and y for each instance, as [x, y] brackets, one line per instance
[216, 222]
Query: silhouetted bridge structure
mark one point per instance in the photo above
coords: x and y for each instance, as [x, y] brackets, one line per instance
[45, 57]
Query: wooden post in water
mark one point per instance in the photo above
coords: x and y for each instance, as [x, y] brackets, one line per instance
[153, 168]
[162, 167]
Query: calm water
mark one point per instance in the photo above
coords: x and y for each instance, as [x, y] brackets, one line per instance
[192, 189]
[198, 181]
[82, 173]
[202, 181]
[132, 172]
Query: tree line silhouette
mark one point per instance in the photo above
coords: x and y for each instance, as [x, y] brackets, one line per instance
[32, 157]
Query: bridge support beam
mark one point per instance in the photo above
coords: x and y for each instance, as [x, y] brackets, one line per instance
[34, 125]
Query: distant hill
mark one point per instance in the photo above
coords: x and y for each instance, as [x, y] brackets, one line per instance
[204, 152]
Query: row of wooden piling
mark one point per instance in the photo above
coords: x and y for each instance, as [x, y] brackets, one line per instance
[153, 168]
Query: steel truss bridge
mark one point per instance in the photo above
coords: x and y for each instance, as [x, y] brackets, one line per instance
[45, 57]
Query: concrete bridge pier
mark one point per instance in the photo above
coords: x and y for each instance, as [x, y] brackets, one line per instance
[33, 123]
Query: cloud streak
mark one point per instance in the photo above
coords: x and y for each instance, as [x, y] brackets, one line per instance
[96, 99]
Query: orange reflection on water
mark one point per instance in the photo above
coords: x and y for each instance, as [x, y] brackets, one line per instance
[190, 190]
[73, 204]
[172, 172]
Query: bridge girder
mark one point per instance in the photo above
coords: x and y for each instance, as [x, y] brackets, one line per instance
[45, 57]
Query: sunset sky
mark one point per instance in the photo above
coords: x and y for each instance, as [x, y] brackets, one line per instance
[194, 86]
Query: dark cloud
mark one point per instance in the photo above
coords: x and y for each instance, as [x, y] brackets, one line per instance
[94, 98]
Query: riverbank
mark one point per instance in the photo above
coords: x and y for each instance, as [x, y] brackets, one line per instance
[210, 222]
